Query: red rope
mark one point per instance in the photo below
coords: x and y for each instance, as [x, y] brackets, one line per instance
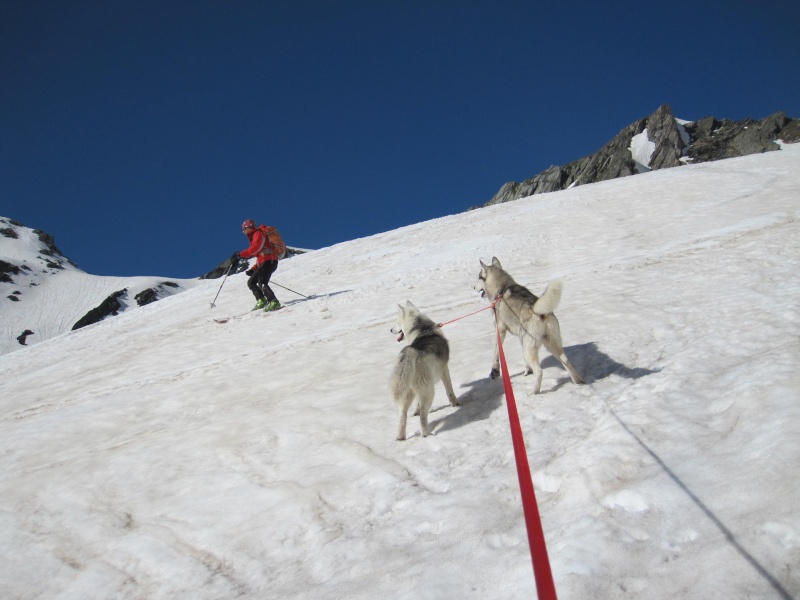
[545, 588]
[465, 316]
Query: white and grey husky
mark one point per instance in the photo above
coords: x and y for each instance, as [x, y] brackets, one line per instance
[419, 366]
[529, 317]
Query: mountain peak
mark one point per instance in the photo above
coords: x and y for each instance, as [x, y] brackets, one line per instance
[44, 294]
[31, 250]
[669, 142]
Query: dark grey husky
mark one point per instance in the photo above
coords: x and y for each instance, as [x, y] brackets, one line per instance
[420, 365]
[531, 319]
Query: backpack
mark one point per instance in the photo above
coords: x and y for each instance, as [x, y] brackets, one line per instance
[274, 240]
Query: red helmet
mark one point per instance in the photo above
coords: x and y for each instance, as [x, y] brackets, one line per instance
[248, 224]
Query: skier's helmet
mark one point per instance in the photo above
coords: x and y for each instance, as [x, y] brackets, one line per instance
[248, 224]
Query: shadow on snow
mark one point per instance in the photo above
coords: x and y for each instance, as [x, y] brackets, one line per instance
[484, 396]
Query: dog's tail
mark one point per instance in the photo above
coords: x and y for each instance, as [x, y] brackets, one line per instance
[548, 302]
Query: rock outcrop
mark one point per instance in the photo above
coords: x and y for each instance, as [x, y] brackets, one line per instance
[50, 249]
[153, 294]
[674, 144]
[7, 270]
[23, 337]
[715, 139]
[223, 267]
[109, 306]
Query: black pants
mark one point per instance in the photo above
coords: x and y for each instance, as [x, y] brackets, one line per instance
[259, 281]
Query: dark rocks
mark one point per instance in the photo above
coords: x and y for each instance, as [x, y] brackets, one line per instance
[10, 232]
[704, 140]
[154, 293]
[790, 133]
[667, 135]
[50, 249]
[146, 296]
[50, 255]
[109, 306]
[24, 336]
[222, 268]
[719, 139]
[6, 270]
[49, 242]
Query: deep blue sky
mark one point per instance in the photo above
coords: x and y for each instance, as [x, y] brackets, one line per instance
[142, 133]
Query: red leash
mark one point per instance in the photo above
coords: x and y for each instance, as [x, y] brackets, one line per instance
[545, 588]
[469, 315]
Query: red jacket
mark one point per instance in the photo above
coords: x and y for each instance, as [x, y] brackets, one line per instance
[259, 247]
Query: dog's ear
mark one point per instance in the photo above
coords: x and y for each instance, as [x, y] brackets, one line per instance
[496, 263]
[483, 266]
[410, 306]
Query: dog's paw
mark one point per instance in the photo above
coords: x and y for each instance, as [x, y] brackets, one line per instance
[494, 374]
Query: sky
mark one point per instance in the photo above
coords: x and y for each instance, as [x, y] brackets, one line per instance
[182, 451]
[141, 134]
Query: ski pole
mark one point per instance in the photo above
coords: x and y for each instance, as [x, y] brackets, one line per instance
[284, 287]
[221, 284]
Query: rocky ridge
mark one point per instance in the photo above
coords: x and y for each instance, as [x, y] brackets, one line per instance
[673, 142]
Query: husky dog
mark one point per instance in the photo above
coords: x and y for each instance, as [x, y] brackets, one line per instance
[420, 365]
[526, 316]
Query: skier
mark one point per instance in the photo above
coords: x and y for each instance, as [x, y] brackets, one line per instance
[266, 263]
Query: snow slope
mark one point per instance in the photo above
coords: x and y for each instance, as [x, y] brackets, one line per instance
[50, 300]
[179, 451]
[641, 150]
